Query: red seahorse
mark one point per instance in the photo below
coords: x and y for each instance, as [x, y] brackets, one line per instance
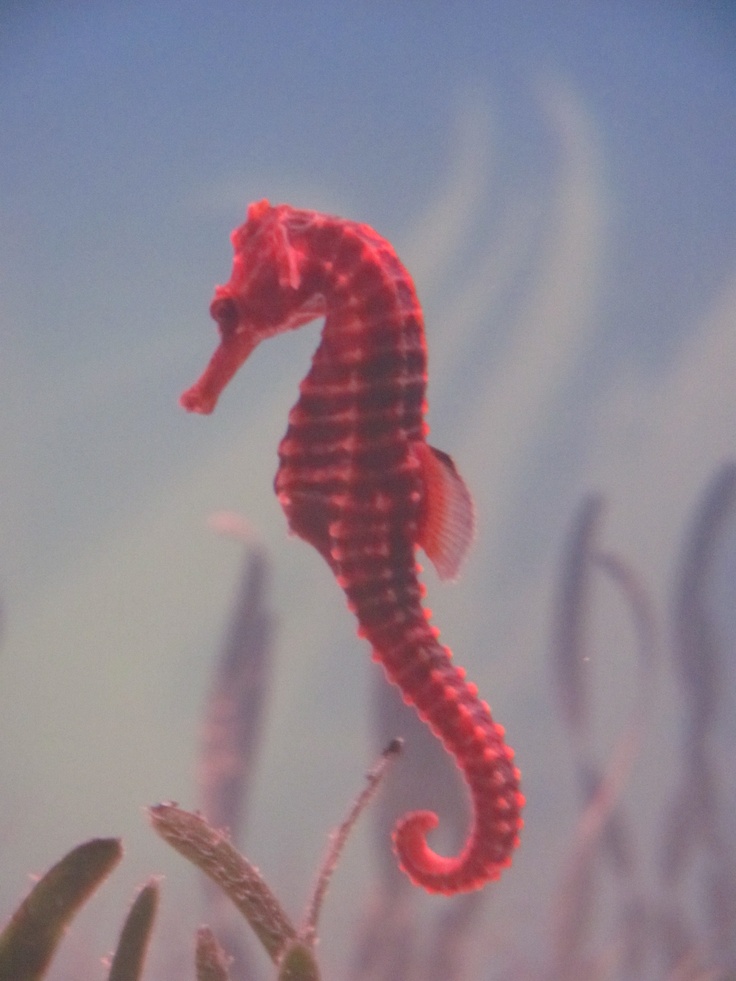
[358, 480]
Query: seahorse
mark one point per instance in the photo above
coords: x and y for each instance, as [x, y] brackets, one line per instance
[358, 480]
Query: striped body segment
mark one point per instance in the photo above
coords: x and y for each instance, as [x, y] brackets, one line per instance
[358, 481]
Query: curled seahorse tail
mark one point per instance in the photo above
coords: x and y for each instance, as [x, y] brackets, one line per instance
[463, 722]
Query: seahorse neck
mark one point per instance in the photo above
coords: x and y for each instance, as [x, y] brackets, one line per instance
[363, 280]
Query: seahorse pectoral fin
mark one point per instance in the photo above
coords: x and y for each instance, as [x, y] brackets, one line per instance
[447, 524]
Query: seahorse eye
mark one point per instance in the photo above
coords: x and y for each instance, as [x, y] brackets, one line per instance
[224, 311]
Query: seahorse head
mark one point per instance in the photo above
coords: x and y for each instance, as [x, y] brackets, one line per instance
[270, 290]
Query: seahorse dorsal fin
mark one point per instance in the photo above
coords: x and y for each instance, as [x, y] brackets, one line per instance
[448, 517]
